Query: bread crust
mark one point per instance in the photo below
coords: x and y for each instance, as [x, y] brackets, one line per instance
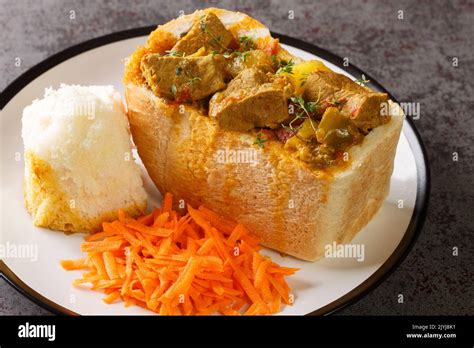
[51, 207]
[293, 208]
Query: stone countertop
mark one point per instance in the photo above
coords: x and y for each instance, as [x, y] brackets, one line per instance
[412, 57]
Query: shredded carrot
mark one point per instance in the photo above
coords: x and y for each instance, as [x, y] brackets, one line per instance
[110, 265]
[74, 264]
[167, 203]
[101, 246]
[112, 297]
[194, 264]
[225, 226]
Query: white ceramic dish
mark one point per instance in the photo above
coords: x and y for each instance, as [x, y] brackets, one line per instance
[319, 287]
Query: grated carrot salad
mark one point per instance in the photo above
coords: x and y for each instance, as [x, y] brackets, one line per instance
[173, 264]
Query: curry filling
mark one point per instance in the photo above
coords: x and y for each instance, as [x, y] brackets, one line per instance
[314, 112]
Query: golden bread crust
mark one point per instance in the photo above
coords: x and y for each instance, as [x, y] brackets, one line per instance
[294, 209]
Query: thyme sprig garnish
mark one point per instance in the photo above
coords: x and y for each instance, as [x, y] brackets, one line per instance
[304, 108]
[362, 81]
[285, 67]
[304, 111]
[193, 79]
[337, 102]
[173, 89]
[260, 141]
[290, 128]
[172, 53]
[226, 54]
[242, 55]
[246, 42]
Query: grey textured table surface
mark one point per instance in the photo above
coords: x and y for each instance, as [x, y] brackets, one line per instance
[412, 57]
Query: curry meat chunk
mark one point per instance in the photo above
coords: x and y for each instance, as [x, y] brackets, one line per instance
[183, 78]
[249, 59]
[253, 99]
[207, 32]
[360, 104]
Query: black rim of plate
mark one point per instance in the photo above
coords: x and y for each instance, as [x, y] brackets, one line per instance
[414, 140]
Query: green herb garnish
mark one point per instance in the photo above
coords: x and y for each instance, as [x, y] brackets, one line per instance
[173, 89]
[178, 70]
[172, 53]
[285, 67]
[304, 106]
[337, 102]
[242, 55]
[225, 54]
[246, 42]
[305, 109]
[202, 24]
[291, 129]
[362, 81]
[259, 141]
[193, 79]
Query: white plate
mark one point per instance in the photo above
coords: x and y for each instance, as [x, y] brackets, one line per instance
[319, 287]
